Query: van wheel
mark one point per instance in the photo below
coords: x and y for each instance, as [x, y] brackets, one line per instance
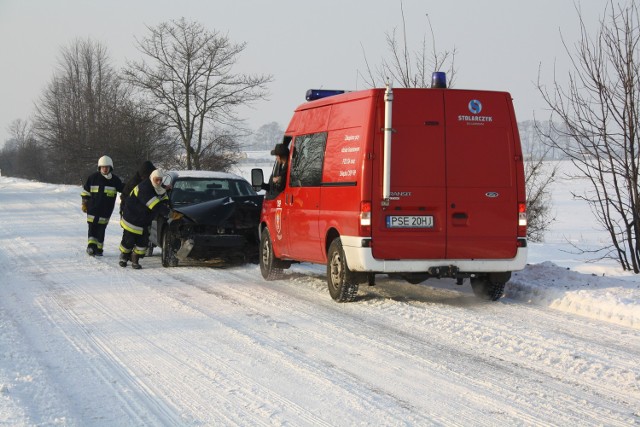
[343, 284]
[269, 264]
[168, 254]
[487, 288]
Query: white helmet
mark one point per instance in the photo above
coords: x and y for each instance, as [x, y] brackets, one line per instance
[157, 173]
[105, 161]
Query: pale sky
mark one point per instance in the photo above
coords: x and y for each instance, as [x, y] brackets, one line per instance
[500, 43]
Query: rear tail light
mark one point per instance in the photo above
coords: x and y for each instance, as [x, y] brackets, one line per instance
[522, 219]
[365, 218]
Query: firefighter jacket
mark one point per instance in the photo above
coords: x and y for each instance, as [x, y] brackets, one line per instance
[141, 174]
[99, 193]
[142, 206]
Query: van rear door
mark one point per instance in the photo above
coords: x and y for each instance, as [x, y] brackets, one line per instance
[481, 175]
[413, 226]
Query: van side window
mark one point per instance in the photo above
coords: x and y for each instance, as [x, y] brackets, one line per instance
[307, 159]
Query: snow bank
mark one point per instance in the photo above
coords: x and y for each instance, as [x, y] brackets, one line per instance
[602, 298]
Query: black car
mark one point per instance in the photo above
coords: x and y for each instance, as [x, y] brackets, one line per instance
[221, 212]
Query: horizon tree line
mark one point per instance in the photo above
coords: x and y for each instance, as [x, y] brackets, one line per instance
[175, 107]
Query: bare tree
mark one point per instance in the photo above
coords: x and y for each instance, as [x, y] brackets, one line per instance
[142, 139]
[190, 84]
[599, 112]
[407, 68]
[539, 175]
[222, 153]
[86, 111]
[75, 113]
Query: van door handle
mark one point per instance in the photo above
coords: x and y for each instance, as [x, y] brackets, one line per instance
[459, 219]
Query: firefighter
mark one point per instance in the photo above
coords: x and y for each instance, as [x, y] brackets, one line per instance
[147, 199]
[279, 175]
[98, 200]
[141, 174]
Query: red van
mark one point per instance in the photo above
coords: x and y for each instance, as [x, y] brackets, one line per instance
[412, 183]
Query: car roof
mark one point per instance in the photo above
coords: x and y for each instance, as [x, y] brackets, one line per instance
[175, 174]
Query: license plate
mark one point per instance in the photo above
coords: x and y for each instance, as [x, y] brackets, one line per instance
[409, 221]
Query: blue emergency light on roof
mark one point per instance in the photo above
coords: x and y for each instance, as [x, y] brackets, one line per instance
[439, 80]
[313, 94]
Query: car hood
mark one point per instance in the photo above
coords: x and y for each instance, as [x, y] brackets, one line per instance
[241, 211]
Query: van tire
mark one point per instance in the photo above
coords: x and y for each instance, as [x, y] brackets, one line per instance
[487, 289]
[342, 282]
[269, 264]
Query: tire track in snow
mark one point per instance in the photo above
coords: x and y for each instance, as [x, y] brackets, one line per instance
[540, 374]
[371, 389]
[100, 341]
[324, 376]
[94, 354]
[64, 295]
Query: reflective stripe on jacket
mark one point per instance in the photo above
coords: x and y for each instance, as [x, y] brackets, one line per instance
[142, 206]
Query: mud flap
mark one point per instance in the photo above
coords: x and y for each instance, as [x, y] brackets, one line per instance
[185, 249]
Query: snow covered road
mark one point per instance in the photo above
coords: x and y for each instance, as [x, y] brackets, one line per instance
[84, 342]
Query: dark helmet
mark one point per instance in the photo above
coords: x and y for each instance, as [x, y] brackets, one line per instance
[145, 169]
[280, 150]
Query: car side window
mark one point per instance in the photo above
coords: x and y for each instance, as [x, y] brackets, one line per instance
[307, 159]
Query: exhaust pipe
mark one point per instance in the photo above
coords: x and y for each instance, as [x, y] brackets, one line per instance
[386, 171]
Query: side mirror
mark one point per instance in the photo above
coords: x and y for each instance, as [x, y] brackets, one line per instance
[257, 179]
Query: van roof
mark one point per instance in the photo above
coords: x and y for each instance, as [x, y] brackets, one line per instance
[347, 96]
[367, 93]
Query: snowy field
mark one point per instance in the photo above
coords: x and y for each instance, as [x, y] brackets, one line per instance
[84, 342]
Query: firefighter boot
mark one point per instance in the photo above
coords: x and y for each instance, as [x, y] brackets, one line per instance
[123, 259]
[134, 261]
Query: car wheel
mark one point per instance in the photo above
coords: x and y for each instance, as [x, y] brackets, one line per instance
[343, 284]
[268, 262]
[168, 253]
[486, 288]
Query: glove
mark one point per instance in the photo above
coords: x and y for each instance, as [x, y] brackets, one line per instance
[84, 205]
[174, 216]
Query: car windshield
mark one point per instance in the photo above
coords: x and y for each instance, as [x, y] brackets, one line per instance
[187, 191]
